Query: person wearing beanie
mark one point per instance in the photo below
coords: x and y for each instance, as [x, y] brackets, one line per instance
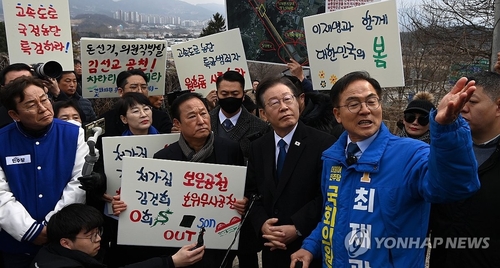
[416, 117]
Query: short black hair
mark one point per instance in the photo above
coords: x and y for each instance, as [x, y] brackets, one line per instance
[176, 113]
[489, 81]
[296, 82]
[13, 67]
[346, 80]
[72, 219]
[63, 73]
[121, 79]
[129, 99]
[58, 105]
[15, 89]
[266, 84]
[76, 61]
[231, 76]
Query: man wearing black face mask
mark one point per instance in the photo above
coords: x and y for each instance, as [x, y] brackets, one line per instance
[231, 120]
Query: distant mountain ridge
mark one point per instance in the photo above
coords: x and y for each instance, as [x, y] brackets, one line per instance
[169, 8]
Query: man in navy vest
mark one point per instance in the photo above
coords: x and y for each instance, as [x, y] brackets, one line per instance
[41, 159]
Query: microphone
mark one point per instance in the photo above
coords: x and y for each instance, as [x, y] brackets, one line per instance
[351, 159]
[254, 198]
[93, 155]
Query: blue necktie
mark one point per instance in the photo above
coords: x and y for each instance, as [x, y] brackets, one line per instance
[281, 158]
[228, 125]
[352, 149]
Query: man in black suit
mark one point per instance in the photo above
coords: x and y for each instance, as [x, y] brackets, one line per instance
[284, 170]
[244, 127]
[133, 81]
[241, 127]
[197, 143]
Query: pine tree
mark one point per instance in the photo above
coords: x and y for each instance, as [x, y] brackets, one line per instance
[216, 25]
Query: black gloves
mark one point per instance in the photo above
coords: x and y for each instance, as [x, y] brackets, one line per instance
[94, 184]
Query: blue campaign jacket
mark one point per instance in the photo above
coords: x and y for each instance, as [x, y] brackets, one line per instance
[376, 211]
[38, 176]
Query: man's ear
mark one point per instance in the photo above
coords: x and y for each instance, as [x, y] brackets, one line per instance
[497, 102]
[302, 97]
[262, 114]
[336, 112]
[177, 124]
[13, 114]
[120, 91]
[66, 243]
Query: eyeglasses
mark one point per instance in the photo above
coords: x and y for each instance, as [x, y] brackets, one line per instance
[93, 236]
[421, 120]
[354, 106]
[274, 103]
[136, 111]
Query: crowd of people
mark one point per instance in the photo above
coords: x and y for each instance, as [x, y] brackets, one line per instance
[328, 184]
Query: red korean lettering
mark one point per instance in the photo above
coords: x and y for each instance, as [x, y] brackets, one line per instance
[93, 64]
[105, 63]
[25, 47]
[35, 29]
[22, 28]
[189, 178]
[52, 13]
[42, 12]
[116, 64]
[131, 64]
[30, 11]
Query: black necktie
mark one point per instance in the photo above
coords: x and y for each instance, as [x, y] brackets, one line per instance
[352, 149]
[227, 124]
[281, 158]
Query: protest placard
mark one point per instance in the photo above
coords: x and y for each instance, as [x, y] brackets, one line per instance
[104, 59]
[272, 30]
[199, 62]
[38, 31]
[359, 38]
[168, 202]
[114, 149]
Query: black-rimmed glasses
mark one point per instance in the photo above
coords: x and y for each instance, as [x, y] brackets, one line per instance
[354, 106]
[93, 236]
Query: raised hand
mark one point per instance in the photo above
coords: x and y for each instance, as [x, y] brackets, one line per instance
[452, 103]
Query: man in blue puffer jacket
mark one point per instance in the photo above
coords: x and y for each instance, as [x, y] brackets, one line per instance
[377, 187]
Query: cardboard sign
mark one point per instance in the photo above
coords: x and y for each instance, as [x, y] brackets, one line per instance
[104, 59]
[199, 62]
[116, 148]
[168, 202]
[38, 31]
[364, 38]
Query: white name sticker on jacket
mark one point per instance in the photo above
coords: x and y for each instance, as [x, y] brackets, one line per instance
[17, 160]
